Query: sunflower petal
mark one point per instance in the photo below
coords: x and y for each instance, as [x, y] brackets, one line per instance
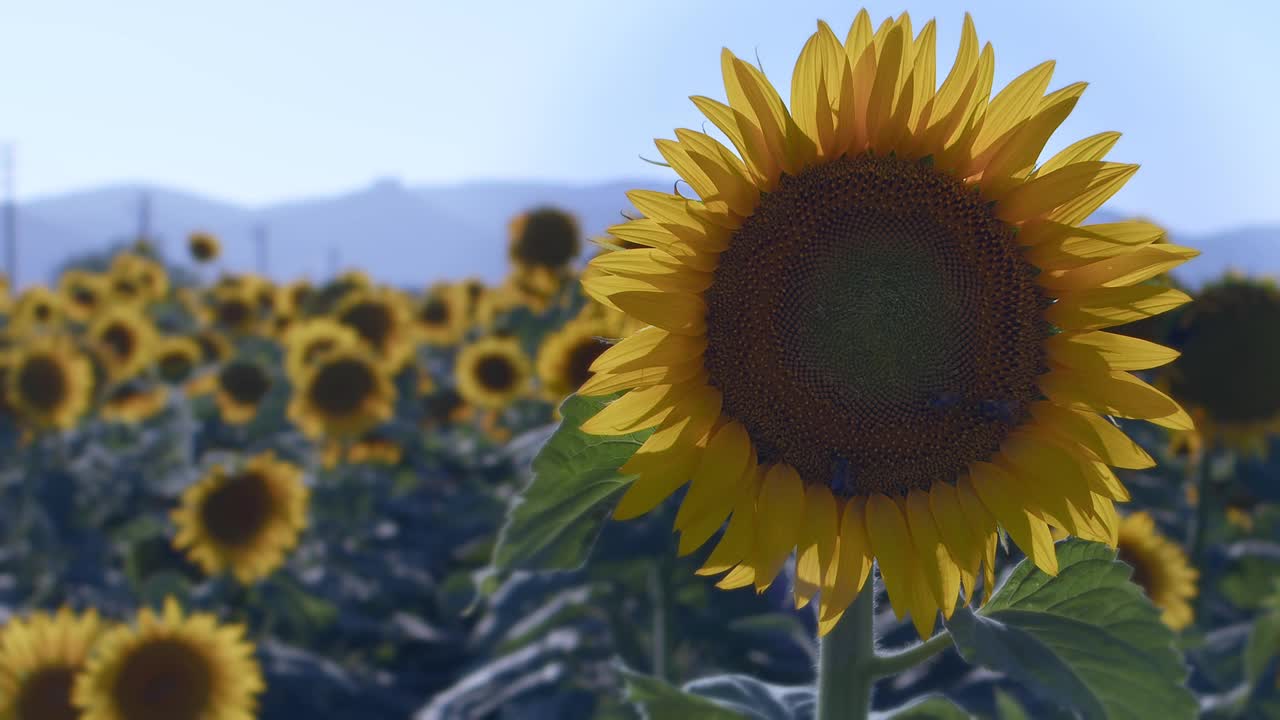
[1064, 194]
[681, 313]
[1105, 440]
[1102, 351]
[1121, 270]
[781, 512]
[649, 347]
[891, 542]
[817, 542]
[850, 563]
[1114, 393]
[1106, 307]
[738, 542]
[938, 567]
[1006, 501]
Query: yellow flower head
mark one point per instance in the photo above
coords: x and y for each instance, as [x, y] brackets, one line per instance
[244, 521]
[382, 319]
[242, 386]
[492, 372]
[82, 293]
[877, 331]
[40, 656]
[123, 339]
[545, 237]
[49, 383]
[171, 666]
[38, 310]
[1160, 567]
[344, 393]
[177, 357]
[133, 403]
[204, 247]
[308, 341]
[565, 357]
[442, 315]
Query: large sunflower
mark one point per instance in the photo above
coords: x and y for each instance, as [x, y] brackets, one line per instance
[382, 319]
[1226, 375]
[244, 521]
[441, 315]
[344, 393]
[1160, 567]
[306, 342]
[242, 385]
[40, 656]
[877, 334]
[49, 383]
[83, 293]
[171, 667]
[492, 371]
[124, 339]
[565, 356]
[203, 246]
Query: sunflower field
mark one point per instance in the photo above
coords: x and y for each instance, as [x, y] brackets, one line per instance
[867, 418]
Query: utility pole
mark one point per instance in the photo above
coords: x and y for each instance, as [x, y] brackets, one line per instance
[10, 217]
[261, 237]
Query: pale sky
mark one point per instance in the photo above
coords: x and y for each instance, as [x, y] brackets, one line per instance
[255, 102]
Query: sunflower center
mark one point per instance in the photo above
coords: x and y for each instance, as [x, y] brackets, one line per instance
[246, 383]
[43, 382]
[495, 373]
[578, 363]
[175, 367]
[341, 387]
[120, 340]
[434, 312]
[1143, 576]
[440, 406]
[372, 320]
[43, 312]
[236, 512]
[873, 325]
[1230, 352]
[84, 297]
[549, 238]
[233, 313]
[164, 679]
[125, 288]
[46, 695]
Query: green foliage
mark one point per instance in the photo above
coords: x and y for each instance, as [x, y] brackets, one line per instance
[1085, 639]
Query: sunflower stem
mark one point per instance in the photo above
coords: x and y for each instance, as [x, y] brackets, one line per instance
[896, 662]
[659, 600]
[847, 661]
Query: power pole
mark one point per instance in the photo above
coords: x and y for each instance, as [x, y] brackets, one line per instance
[261, 237]
[10, 217]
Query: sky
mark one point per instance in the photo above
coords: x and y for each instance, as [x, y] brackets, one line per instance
[256, 102]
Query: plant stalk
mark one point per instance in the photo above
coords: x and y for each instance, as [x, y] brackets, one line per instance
[846, 661]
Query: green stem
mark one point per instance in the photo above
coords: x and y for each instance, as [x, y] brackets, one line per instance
[1200, 525]
[658, 599]
[896, 662]
[846, 658]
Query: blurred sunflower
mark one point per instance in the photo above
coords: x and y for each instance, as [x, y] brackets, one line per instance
[374, 450]
[471, 291]
[546, 238]
[492, 372]
[40, 656]
[136, 278]
[7, 410]
[306, 342]
[49, 383]
[176, 357]
[297, 294]
[245, 521]
[382, 319]
[82, 293]
[565, 357]
[876, 335]
[1160, 568]
[235, 309]
[441, 315]
[204, 247]
[214, 346]
[443, 406]
[38, 310]
[1226, 375]
[355, 278]
[344, 393]
[242, 385]
[171, 667]
[134, 402]
[124, 340]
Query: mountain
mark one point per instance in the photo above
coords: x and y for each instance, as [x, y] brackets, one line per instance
[411, 235]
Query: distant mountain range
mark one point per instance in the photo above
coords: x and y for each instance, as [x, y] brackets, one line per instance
[410, 236]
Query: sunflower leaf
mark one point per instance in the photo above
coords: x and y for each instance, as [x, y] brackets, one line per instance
[1263, 645]
[1086, 639]
[927, 707]
[719, 697]
[554, 522]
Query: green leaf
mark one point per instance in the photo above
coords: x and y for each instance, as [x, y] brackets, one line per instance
[555, 520]
[658, 700]
[1262, 645]
[1008, 707]
[1086, 639]
[929, 707]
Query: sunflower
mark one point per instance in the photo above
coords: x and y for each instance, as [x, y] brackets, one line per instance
[134, 402]
[176, 357]
[235, 309]
[306, 342]
[876, 335]
[171, 667]
[49, 383]
[214, 346]
[137, 279]
[38, 310]
[441, 315]
[382, 319]
[242, 385]
[244, 521]
[124, 340]
[1160, 567]
[546, 237]
[204, 247]
[82, 293]
[565, 357]
[491, 372]
[296, 295]
[374, 450]
[40, 656]
[443, 406]
[345, 393]
[1226, 374]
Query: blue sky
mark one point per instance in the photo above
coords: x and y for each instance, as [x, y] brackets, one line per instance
[256, 102]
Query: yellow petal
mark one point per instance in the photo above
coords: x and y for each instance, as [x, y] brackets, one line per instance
[1015, 103]
[1092, 148]
[1114, 393]
[604, 384]
[850, 563]
[1122, 270]
[1102, 351]
[637, 410]
[738, 542]
[1051, 477]
[649, 347]
[936, 564]
[954, 530]
[719, 473]
[1107, 441]
[817, 542]
[781, 510]
[669, 456]
[680, 313]
[891, 542]
[1107, 307]
[1004, 499]
[1063, 194]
